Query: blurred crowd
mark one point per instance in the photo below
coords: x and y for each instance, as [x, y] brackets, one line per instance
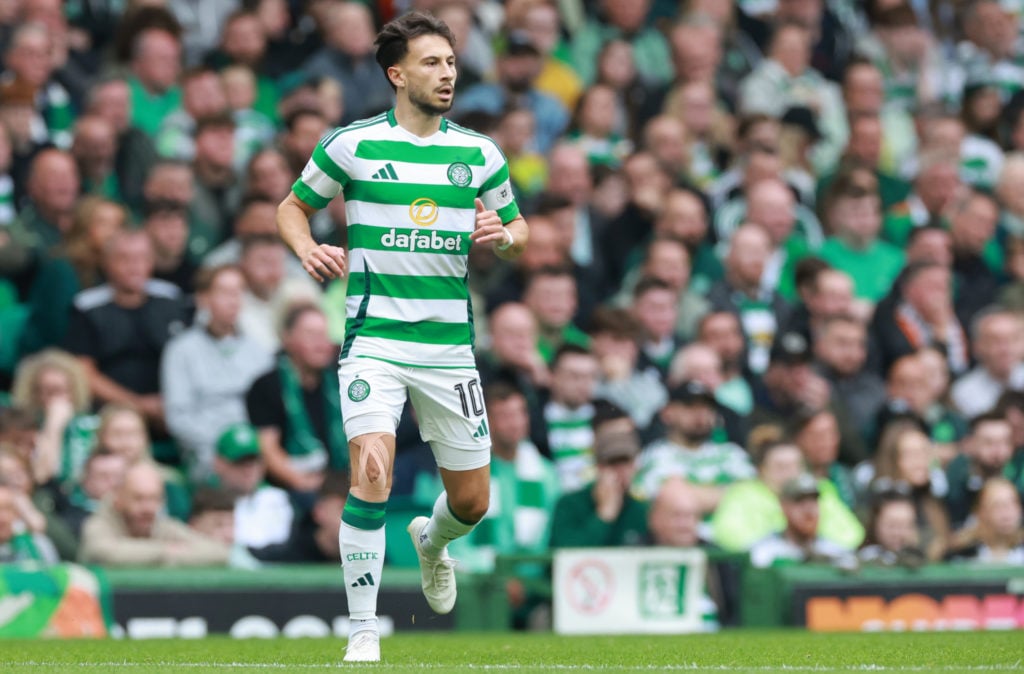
[772, 300]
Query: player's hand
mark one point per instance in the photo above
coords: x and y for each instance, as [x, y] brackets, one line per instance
[489, 228]
[324, 262]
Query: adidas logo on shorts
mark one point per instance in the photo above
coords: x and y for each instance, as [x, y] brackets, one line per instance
[481, 430]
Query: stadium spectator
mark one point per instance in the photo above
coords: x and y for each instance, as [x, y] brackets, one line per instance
[615, 342]
[121, 429]
[668, 260]
[622, 20]
[972, 226]
[52, 188]
[665, 138]
[551, 294]
[101, 475]
[597, 127]
[314, 535]
[166, 223]
[799, 541]
[155, 65]
[119, 329]
[987, 453]
[130, 529]
[29, 59]
[568, 414]
[519, 65]
[347, 57]
[816, 433]
[507, 283]
[218, 190]
[38, 503]
[213, 514]
[263, 514]
[693, 447]
[17, 543]
[656, 310]
[786, 79]
[255, 217]
[207, 370]
[674, 521]
[268, 290]
[935, 186]
[841, 352]
[722, 332]
[110, 99]
[997, 338]
[997, 535]
[303, 128]
[174, 182]
[794, 229]
[762, 312]
[910, 392]
[853, 216]
[923, 317]
[824, 294]
[295, 405]
[571, 179]
[790, 386]
[892, 537]
[51, 388]
[243, 43]
[906, 461]
[94, 147]
[73, 266]
[202, 95]
[604, 513]
[542, 23]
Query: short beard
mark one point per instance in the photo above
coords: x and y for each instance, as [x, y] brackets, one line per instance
[697, 439]
[428, 108]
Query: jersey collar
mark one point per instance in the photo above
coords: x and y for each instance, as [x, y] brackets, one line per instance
[394, 122]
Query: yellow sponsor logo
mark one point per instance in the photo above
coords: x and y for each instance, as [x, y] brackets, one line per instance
[424, 212]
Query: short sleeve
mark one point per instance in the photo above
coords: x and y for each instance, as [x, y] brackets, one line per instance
[322, 179]
[496, 192]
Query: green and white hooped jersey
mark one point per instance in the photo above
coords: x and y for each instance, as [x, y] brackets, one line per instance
[410, 207]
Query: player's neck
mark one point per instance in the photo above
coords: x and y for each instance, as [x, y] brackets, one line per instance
[414, 120]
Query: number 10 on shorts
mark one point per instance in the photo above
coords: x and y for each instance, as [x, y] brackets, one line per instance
[471, 397]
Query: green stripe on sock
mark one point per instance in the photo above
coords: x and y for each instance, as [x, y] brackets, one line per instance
[363, 514]
[457, 518]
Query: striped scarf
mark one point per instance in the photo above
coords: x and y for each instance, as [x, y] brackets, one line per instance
[921, 335]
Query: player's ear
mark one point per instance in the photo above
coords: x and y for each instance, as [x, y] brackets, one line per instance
[396, 76]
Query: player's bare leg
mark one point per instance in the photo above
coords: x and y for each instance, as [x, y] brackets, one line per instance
[362, 540]
[460, 506]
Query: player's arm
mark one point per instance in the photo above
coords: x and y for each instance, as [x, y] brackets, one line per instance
[321, 261]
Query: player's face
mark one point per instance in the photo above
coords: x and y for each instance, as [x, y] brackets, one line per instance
[429, 74]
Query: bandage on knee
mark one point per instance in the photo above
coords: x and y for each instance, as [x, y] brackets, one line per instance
[372, 474]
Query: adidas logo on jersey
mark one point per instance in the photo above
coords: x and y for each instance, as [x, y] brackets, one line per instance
[386, 173]
[481, 430]
[415, 240]
[364, 580]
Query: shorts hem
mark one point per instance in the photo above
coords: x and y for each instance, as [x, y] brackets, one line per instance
[373, 422]
[460, 458]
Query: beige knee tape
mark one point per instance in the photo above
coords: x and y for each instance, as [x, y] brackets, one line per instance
[374, 467]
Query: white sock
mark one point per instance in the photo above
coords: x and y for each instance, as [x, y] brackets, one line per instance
[362, 561]
[443, 527]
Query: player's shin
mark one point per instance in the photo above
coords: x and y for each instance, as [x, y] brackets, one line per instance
[362, 541]
[444, 527]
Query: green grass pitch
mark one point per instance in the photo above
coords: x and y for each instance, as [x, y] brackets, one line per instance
[738, 651]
